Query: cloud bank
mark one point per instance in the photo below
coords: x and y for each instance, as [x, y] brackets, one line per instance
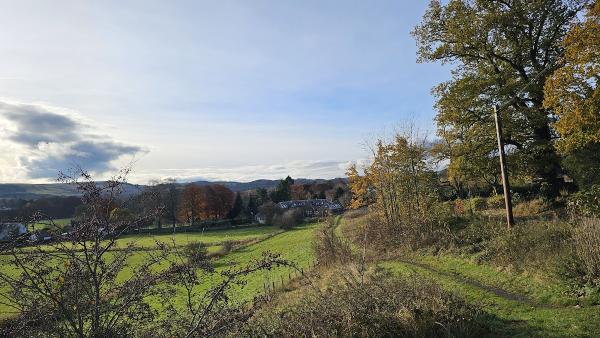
[296, 169]
[41, 141]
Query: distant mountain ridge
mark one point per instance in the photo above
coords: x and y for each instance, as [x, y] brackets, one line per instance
[36, 191]
[265, 184]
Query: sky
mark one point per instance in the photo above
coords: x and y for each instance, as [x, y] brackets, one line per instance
[216, 90]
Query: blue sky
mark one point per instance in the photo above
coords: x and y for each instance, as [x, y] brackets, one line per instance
[235, 90]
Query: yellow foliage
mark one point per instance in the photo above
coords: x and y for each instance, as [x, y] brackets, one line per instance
[359, 186]
[572, 92]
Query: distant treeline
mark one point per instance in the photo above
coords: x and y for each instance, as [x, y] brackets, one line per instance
[191, 204]
[54, 207]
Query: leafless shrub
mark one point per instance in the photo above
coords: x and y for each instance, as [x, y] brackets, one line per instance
[76, 285]
[289, 218]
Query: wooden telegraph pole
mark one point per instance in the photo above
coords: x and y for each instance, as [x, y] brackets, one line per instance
[504, 170]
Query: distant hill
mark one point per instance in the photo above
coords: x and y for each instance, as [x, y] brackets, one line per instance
[265, 184]
[36, 191]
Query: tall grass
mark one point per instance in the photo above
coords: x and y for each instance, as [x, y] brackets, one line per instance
[586, 236]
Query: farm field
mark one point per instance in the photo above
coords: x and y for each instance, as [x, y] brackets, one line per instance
[294, 245]
[209, 237]
[61, 222]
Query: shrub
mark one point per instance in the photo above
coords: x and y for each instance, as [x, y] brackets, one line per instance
[535, 244]
[459, 207]
[478, 203]
[585, 203]
[532, 207]
[289, 218]
[329, 247]
[586, 236]
[197, 254]
[382, 306]
[495, 201]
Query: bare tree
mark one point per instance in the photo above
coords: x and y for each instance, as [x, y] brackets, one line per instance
[80, 284]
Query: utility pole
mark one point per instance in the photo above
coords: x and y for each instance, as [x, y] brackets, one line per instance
[504, 170]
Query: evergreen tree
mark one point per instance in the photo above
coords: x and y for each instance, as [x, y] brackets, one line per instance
[237, 208]
[283, 192]
[262, 196]
[251, 207]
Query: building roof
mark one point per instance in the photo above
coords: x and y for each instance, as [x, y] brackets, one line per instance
[316, 203]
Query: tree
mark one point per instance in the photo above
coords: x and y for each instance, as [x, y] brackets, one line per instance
[171, 200]
[504, 50]
[262, 196]
[405, 189]
[154, 189]
[189, 205]
[283, 191]
[237, 208]
[251, 207]
[359, 188]
[572, 92]
[70, 287]
[216, 201]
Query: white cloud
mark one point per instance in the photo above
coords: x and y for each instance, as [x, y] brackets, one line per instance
[40, 141]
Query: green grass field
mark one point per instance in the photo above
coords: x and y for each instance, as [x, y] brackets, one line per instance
[60, 222]
[207, 237]
[294, 245]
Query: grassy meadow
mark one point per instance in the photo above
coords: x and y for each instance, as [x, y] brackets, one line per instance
[294, 245]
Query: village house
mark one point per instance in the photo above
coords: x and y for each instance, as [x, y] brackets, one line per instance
[313, 208]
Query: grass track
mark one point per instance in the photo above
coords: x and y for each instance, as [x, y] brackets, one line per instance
[515, 316]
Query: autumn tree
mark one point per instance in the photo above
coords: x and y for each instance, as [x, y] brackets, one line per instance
[300, 192]
[190, 203]
[573, 94]
[503, 52]
[406, 208]
[216, 201]
[359, 188]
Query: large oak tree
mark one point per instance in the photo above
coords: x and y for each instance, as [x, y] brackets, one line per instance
[502, 51]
